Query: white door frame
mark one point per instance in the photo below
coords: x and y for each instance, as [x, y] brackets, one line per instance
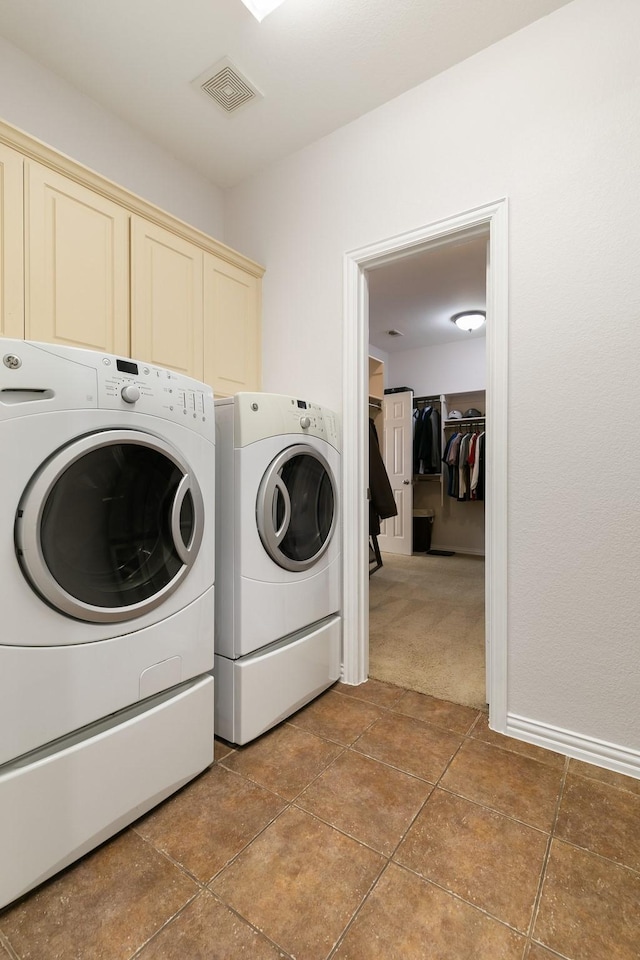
[355, 605]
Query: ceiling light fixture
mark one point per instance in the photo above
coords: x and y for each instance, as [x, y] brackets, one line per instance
[469, 319]
[260, 8]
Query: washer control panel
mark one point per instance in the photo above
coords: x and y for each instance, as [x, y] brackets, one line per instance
[69, 378]
[150, 389]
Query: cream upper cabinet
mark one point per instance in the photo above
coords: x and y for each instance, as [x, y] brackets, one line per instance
[11, 243]
[166, 298]
[76, 264]
[232, 345]
[85, 262]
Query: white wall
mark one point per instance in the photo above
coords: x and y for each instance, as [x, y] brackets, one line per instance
[444, 368]
[43, 105]
[550, 118]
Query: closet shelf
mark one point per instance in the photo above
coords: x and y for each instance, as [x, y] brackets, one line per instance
[457, 420]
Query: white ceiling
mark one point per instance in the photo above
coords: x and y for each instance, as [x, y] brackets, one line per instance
[418, 295]
[318, 63]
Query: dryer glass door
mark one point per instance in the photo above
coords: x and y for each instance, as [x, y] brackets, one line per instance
[297, 507]
[110, 525]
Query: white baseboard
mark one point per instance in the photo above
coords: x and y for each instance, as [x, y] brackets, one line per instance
[599, 752]
[474, 551]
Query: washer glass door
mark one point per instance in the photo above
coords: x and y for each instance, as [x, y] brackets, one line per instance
[110, 525]
[296, 507]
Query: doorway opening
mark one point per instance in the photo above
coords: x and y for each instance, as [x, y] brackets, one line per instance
[491, 217]
[426, 593]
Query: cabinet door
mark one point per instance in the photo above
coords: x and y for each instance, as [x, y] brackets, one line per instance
[11, 246]
[77, 264]
[166, 299]
[232, 343]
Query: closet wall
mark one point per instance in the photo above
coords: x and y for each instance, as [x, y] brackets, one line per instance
[457, 372]
[444, 368]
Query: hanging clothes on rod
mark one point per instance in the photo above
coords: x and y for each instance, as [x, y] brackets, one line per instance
[426, 436]
[464, 460]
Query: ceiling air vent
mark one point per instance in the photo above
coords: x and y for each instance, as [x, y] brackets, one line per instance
[225, 84]
[395, 333]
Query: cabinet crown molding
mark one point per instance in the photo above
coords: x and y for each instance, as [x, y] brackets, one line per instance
[34, 149]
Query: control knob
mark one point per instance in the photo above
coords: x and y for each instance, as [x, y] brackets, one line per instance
[130, 393]
[305, 422]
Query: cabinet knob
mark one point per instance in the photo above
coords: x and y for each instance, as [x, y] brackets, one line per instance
[130, 393]
[407, 482]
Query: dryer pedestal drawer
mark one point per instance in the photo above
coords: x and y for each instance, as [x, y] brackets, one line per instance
[61, 801]
[256, 692]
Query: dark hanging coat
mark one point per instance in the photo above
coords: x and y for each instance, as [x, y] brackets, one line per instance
[382, 503]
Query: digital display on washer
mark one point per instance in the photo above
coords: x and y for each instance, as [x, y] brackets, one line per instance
[125, 366]
[302, 404]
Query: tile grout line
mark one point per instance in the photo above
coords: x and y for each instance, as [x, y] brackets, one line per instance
[6, 943]
[468, 736]
[598, 856]
[293, 804]
[205, 885]
[172, 860]
[277, 946]
[545, 862]
[356, 912]
[385, 866]
[166, 923]
[388, 859]
[490, 809]
[461, 899]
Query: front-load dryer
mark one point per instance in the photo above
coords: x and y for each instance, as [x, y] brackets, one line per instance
[107, 560]
[278, 536]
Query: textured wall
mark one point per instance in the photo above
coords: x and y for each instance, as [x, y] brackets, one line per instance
[50, 109]
[550, 118]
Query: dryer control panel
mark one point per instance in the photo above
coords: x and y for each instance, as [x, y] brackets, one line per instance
[262, 415]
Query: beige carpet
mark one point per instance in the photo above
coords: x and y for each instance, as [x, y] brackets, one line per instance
[426, 625]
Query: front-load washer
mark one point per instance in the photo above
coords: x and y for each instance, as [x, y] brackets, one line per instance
[278, 592]
[107, 559]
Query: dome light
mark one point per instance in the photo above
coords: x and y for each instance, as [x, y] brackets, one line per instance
[469, 319]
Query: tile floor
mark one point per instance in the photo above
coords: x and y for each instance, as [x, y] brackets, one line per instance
[375, 823]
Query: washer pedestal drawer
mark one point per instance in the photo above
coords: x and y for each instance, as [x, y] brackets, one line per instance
[256, 692]
[61, 801]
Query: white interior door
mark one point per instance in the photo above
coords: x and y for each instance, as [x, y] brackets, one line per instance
[396, 533]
